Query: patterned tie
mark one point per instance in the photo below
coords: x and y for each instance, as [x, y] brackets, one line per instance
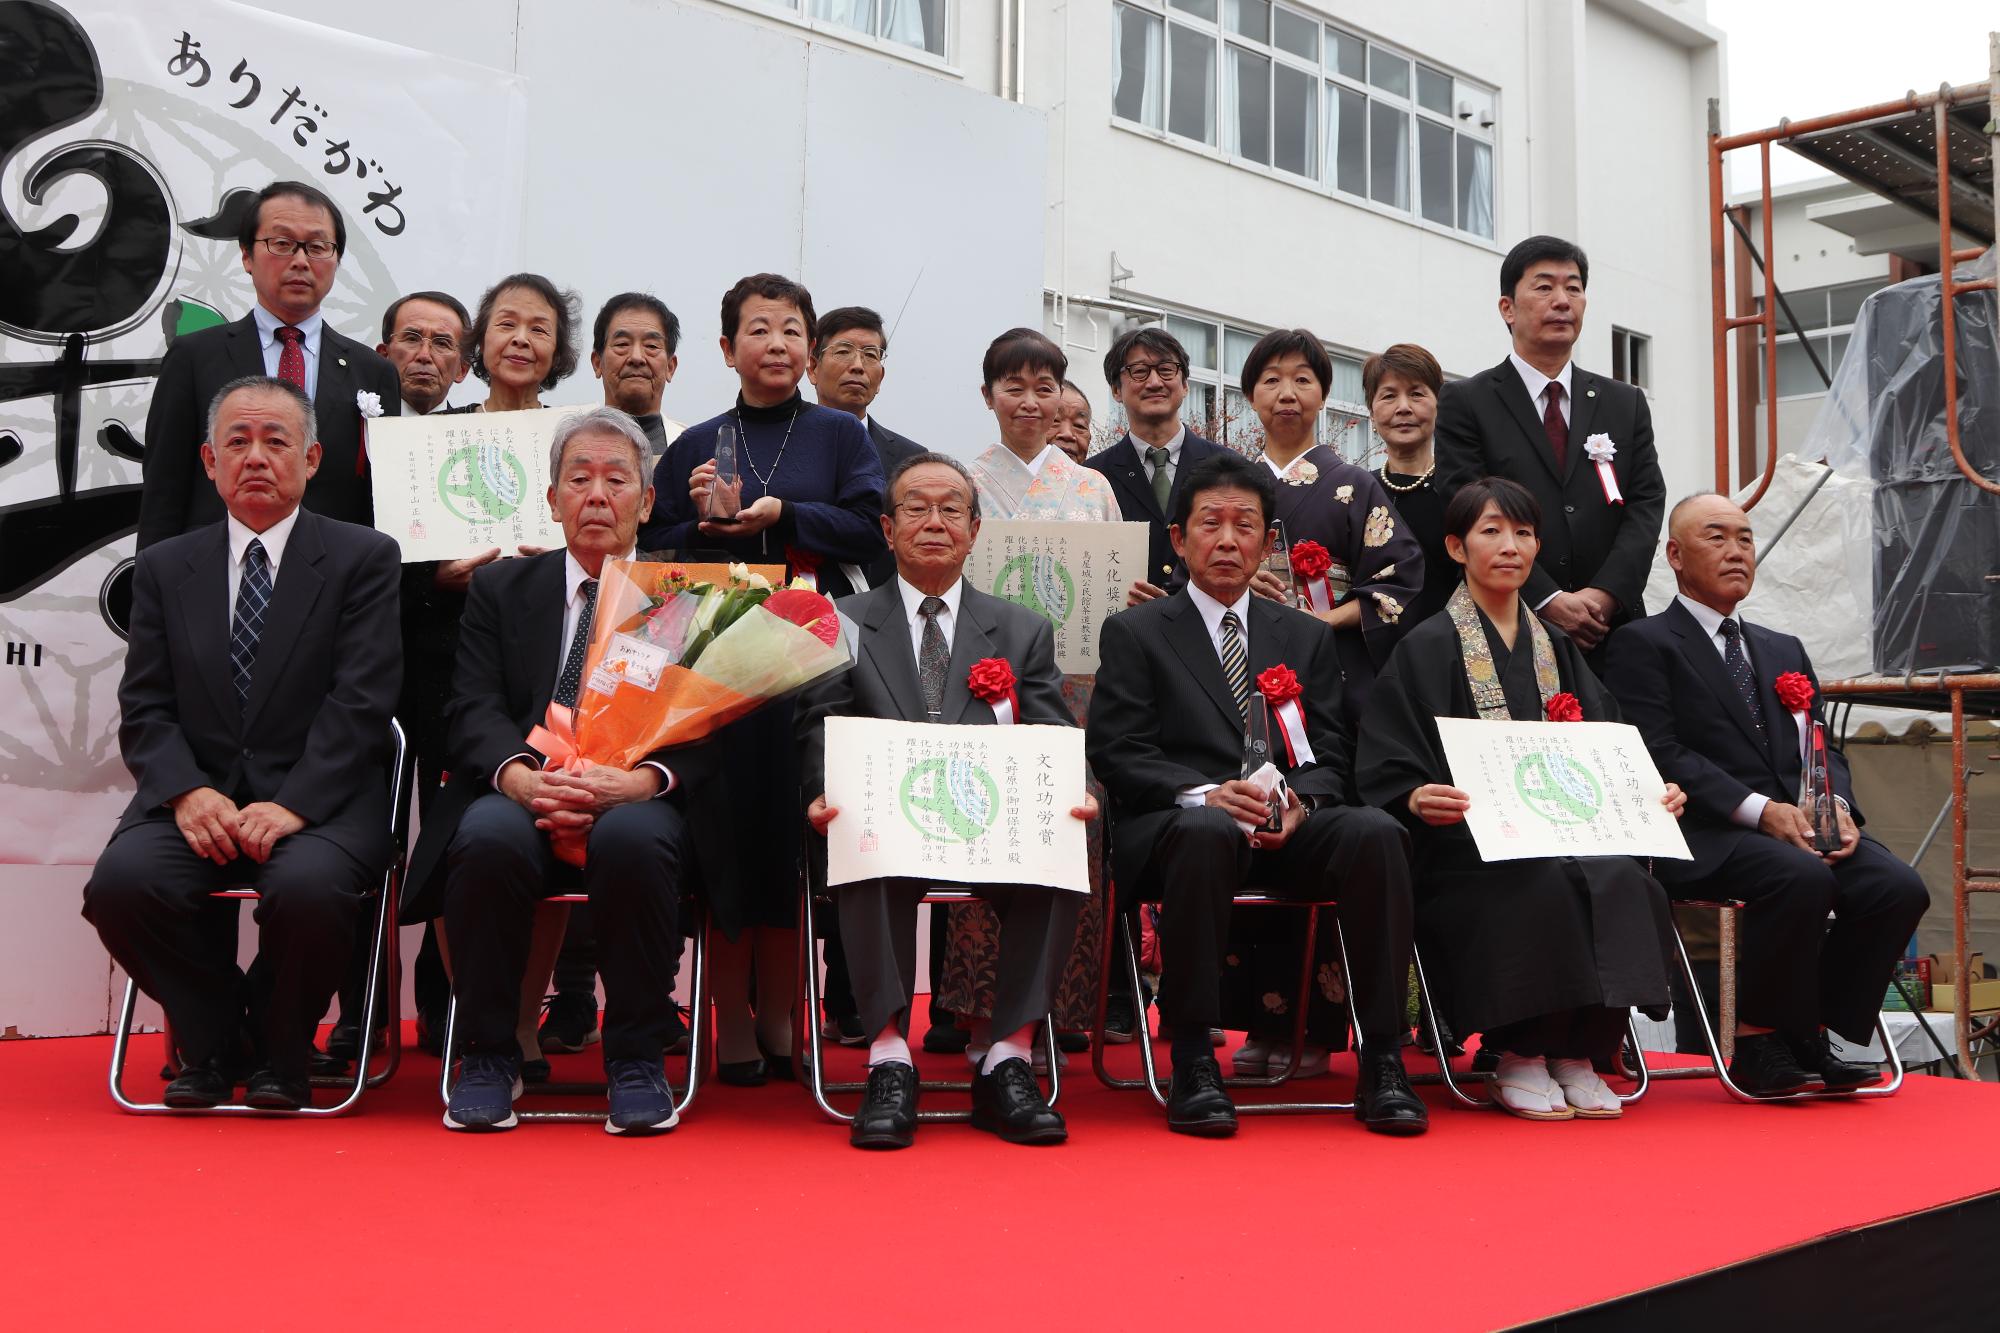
[1557, 428]
[571, 678]
[253, 594]
[1235, 666]
[1163, 480]
[292, 360]
[1738, 665]
[933, 658]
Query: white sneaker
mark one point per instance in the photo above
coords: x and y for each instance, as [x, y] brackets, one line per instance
[1587, 1094]
[1522, 1087]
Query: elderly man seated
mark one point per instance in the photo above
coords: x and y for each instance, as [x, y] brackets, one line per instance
[259, 681]
[485, 849]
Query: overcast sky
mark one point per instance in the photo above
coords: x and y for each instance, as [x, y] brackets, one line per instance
[1799, 59]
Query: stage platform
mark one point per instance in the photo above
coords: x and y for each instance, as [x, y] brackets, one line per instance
[756, 1214]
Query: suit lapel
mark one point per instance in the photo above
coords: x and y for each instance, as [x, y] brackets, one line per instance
[245, 350]
[971, 640]
[203, 605]
[1781, 732]
[1513, 396]
[1270, 637]
[1128, 465]
[543, 627]
[1189, 637]
[886, 647]
[1582, 416]
[292, 599]
[1707, 663]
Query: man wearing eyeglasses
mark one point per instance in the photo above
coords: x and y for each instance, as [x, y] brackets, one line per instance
[847, 371]
[424, 336]
[292, 239]
[1147, 371]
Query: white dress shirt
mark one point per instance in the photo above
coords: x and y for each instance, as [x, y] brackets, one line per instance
[1173, 448]
[274, 539]
[1752, 809]
[947, 619]
[1538, 386]
[1211, 618]
[267, 338]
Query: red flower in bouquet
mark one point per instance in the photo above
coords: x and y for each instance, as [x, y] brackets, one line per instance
[1280, 683]
[1795, 691]
[1310, 560]
[1564, 708]
[990, 679]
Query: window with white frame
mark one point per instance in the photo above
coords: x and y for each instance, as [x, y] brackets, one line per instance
[1276, 87]
[1631, 357]
[915, 23]
[1826, 315]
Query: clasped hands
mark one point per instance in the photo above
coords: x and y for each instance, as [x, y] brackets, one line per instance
[821, 815]
[1584, 615]
[565, 805]
[1791, 824]
[749, 521]
[1245, 802]
[1439, 804]
[218, 830]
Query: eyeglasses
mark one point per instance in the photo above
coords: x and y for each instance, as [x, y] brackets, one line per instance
[284, 247]
[441, 344]
[916, 511]
[842, 353]
[1141, 371]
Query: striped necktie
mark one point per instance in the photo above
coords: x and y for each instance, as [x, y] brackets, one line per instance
[253, 594]
[1235, 664]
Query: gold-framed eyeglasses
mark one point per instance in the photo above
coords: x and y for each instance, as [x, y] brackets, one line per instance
[284, 247]
[841, 353]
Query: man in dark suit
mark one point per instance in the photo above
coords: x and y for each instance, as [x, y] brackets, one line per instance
[917, 638]
[1700, 683]
[485, 854]
[292, 240]
[259, 683]
[1147, 370]
[635, 348]
[1166, 737]
[1539, 419]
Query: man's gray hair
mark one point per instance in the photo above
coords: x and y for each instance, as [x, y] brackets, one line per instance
[597, 421]
[309, 417]
[918, 460]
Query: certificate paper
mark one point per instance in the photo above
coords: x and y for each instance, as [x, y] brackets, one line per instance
[447, 487]
[955, 804]
[1076, 574]
[1559, 789]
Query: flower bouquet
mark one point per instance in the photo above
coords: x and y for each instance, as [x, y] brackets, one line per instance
[672, 660]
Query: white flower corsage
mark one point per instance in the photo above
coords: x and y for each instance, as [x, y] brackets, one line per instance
[1600, 448]
[370, 404]
[1602, 451]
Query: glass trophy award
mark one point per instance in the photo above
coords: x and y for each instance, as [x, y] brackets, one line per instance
[1279, 563]
[1257, 753]
[725, 491]
[1816, 796]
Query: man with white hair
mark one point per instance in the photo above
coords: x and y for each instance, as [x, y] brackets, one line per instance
[483, 860]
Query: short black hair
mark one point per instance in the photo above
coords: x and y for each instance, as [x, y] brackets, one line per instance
[445, 299]
[1288, 342]
[1533, 251]
[1020, 349]
[1231, 471]
[846, 319]
[669, 321]
[1516, 501]
[1151, 338]
[568, 308]
[772, 287]
[246, 231]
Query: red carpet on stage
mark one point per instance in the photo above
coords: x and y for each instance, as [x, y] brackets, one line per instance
[756, 1213]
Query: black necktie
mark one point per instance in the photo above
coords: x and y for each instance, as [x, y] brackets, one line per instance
[1235, 665]
[571, 678]
[253, 594]
[1738, 665]
[933, 658]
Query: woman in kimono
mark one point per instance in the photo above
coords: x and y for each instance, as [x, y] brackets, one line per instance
[1373, 569]
[1543, 957]
[1026, 476]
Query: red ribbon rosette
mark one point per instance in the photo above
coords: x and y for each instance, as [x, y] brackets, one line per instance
[992, 680]
[1310, 560]
[1281, 689]
[1279, 683]
[1795, 691]
[1564, 708]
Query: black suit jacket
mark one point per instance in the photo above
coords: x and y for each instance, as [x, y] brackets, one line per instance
[892, 449]
[509, 645]
[176, 496]
[1123, 464]
[315, 735]
[1163, 720]
[1487, 426]
[1672, 685]
[883, 682]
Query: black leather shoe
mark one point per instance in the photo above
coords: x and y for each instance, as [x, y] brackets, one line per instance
[946, 1039]
[1073, 1043]
[271, 1091]
[743, 1073]
[198, 1087]
[1765, 1067]
[1120, 1019]
[888, 1114]
[1814, 1056]
[1197, 1103]
[1383, 1101]
[1008, 1102]
[535, 1069]
[430, 1031]
[779, 1067]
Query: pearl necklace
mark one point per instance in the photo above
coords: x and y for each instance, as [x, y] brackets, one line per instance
[1383, 472]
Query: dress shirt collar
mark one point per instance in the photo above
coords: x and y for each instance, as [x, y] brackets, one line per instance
[273, 537]
[410, 411]
[1173, 446]
[913, 600]
[1211, 613]
[268, 325]
[1537, 381]
[1707, 617]
[574, 575]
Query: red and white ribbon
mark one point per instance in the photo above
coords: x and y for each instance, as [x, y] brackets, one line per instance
[1292, 726]
[1602, 451]
[1005, 710]
[1318, 594]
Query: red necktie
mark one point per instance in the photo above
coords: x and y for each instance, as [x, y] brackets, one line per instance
[1557, 428]
[292, 361]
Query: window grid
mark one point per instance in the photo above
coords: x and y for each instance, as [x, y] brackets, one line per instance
[1827, 315]
[922, 27]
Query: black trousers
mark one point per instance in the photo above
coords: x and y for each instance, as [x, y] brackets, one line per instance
[1589, 1033]
[149, 897]
[1794, 972]
[499, 866]
[1355, 854]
